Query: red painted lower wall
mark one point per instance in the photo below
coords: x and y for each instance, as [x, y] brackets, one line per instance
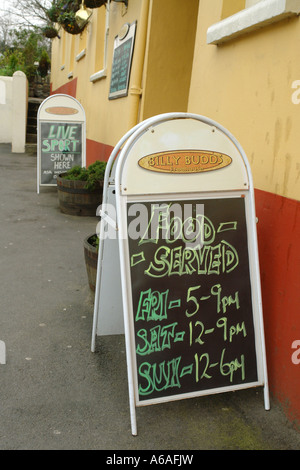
[278, 239]
[96, 151]
[68, 88]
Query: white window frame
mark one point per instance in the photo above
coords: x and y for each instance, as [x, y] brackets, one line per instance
[103, 73]
[263, 13]
[80, 55]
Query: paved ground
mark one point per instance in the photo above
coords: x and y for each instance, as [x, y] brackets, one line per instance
[54, 392]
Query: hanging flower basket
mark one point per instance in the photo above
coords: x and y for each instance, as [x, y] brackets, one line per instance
[53, 13]
[73, 28]
[63, 13]
[69, 23]
[94, 3]
[68, 6]
[50, 32]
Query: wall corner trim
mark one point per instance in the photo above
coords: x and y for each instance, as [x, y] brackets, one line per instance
[251, 19]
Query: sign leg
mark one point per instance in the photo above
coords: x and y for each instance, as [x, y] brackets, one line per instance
[133, 417]
[266, 397]
[130, 383]
[2, 353]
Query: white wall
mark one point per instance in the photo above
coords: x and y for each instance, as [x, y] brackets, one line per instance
[6, 86]
[13, 111]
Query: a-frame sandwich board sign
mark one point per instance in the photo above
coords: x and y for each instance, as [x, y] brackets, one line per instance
[189, 271]
[61, 138]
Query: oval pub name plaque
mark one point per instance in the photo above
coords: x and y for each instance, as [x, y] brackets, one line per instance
[185, 161]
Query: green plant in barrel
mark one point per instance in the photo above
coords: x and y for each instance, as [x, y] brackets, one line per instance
[94, 173]
[80, 189]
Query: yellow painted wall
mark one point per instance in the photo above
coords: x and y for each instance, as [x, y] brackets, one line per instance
[160, 72]
[230, 7]
[107, 120]
[169, 56]
[246, 85]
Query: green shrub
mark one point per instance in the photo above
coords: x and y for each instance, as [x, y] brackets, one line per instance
[92, 174]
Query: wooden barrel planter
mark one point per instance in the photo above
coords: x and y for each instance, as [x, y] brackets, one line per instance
[74, 199]
[91, 260]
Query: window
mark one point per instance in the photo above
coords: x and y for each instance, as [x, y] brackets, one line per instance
[102, 30]
[230, 7]
[255, 15]
[63, 51]
[250, 3]
[71, 55]
[81, 45]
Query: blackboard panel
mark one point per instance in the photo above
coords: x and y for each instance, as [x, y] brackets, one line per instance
[120, 70]
[121, 65]
[192, 307]
[61, 149]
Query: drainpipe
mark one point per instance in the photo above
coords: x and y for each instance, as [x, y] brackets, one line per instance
[135, 90]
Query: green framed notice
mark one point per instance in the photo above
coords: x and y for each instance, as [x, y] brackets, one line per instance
[121, 64]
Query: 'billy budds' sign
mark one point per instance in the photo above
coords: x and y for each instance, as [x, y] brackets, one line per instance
[185, 161]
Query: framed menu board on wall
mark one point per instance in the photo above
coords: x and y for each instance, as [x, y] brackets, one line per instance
[121, 64]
